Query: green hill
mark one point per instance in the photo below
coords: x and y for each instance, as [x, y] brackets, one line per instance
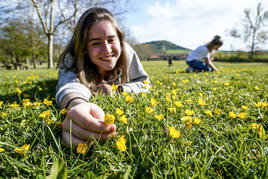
[161, 46]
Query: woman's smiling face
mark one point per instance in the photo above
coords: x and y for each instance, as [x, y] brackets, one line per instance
[103, 46]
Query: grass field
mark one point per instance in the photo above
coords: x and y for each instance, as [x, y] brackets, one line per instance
[198, 125]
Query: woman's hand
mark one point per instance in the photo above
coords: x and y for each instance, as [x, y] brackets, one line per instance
[85, 121]
[106, 89]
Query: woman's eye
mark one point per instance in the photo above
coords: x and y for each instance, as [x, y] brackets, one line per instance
[95, 43]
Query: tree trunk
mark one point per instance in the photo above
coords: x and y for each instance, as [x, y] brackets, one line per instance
[50, 51]
[252, 48]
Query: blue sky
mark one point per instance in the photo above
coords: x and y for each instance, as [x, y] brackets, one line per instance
[188, 23]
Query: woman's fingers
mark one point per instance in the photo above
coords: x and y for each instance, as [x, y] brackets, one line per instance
[82, 133]
[71, 139]
[90, 117]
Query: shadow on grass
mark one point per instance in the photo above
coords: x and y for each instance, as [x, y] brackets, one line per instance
[40, 91]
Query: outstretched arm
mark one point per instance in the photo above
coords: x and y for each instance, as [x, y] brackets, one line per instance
[210, 64]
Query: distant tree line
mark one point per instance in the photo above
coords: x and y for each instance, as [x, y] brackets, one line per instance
[36, 30]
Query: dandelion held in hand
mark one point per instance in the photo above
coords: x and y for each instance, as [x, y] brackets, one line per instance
[109, 119]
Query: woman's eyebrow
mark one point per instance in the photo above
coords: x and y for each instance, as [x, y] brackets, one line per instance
[110, 36]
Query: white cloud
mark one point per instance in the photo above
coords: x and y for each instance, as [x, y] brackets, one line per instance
[192, 22]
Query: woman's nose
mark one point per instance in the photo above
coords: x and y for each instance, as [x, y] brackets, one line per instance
[107, 47]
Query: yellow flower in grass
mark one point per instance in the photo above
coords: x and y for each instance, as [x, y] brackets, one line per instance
[26, 102]
[18, 91]
[81, 148]
[174, 84]
[148, 110]
[185, 81]
[129, 99]
[174, 92]
[242, 115]
[146, 82]
[174, 133]
[109, 119]
[209, 113]
[3, 114]
[2, 150]
[227, 84]
[196, 120]
[153, 102]
[121, 143]
[201, 102]
[232, 115]
[262, 104]
[45, 114]
[256, 88]
[214, 89]
[178, 103]
[119, 112]
[22, 149]
[189, 112]
[188, 120]
[259, 128]
[217, 111]
[47, 102]
[143, 94]
[123, 119]
[1, 102]
[168, 99]
[125, 93]
[188, 101]
[159, 117]
[114, 87]
[49, 121]
[244, 107]
[14, 105]
[172, 110]
[63, 111]
[36, 103]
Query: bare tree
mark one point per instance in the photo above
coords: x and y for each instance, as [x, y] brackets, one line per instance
[253, 30]
[54, 13]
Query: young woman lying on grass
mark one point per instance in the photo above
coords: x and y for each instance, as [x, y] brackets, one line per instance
[96, 58]
[202, 57]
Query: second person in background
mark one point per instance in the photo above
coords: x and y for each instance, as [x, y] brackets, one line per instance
[202, 57]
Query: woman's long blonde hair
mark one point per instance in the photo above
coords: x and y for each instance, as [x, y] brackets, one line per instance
[88, 73]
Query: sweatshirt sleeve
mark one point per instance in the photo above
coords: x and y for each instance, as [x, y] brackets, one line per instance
[136, 74]
[68, 81]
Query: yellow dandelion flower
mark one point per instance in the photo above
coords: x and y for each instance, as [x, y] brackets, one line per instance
[178, 103]
[208, 112]
[153, 102]
[244, 107]
[81, 148]
[14, 105]
[49, 121]
[214, 89]
[146, 82]
[18, 91]
[2, 150]
[109, 119]
[129, 99]
[63, 111]
[123, 119]
[3, 114]
[227, 84]
[259, 128]
[22, 149]
[121, 143]
[232, 115]
[201, 102]
[47, 102]
[37, 103]
[262, 104]
[143, 94]
[174, 133]
[159, 117]
[119, 112]
[185, 81]
[174, 92]
[168, 99]
[189, 112]
[242, 115]
[125, 93]
[1, 103]
[114, 87]
[256, 88]
[188, 143]
[188, 101]
[148, 110]
[217, 111]
[45, 114]
[196, 120]
[172, 110]
[174, 84]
